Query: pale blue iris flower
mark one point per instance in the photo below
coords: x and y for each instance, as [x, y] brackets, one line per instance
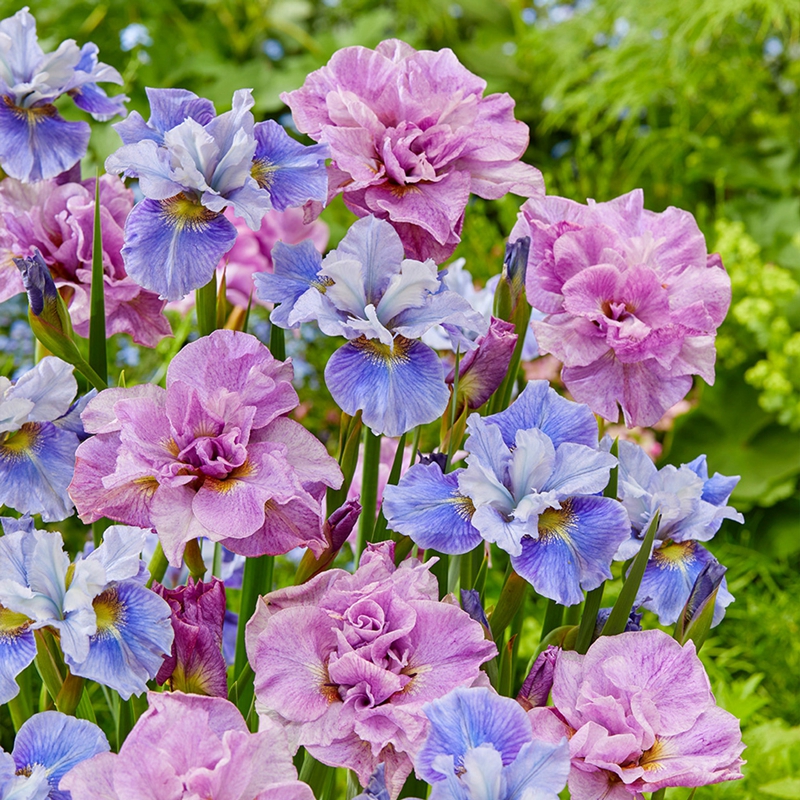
[47, 747]
[112, 629]
[36, 142]
[191, 166]
[369, 293]
[481, 746]
[40, 430]
[692, 507]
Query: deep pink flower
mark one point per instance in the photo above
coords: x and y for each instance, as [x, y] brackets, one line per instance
[213, 455]
[345, 662]
[188, 745]
[640, 716]
[58, 219]
[196, 663]
[633, 301]
[411, 136]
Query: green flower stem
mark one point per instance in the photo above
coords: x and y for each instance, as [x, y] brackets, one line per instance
[277, 342]
[511, 596]
[379, 533]
[589, 619]
[257, 581]
[553, 617]
[618, 618]
[206, 306]
[157, 566]
[369, 490]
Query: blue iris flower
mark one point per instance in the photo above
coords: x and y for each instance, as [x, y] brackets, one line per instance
[191, 166]
[40, 430]
[366, 291]
[112, 629]
[692, 508]
[47, 747]
[481, 746]
[36, 142]
[531, 486]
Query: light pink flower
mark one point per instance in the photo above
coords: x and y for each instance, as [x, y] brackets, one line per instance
[58, 219]
[213, 455]
[640, 716]
[345, 662]
[188, 745]
[633, 301]
[411, 137]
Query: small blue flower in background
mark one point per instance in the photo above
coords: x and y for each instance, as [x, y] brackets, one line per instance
[481, 746]
[36, 142]
[134, 35]
[692, 508]
[192, 165]
[366, 291]
[40, 430]
[47, 747]
[112, 629]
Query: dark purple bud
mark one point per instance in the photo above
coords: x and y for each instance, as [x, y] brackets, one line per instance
[38, 282]
[707, 582]
[440, 459]
[196, 664]
[340, 524]
[536, 688]
[482, 370]
[634, 622]
[471, 603]
[515, 264]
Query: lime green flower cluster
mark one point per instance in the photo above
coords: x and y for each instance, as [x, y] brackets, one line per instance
[761, 329]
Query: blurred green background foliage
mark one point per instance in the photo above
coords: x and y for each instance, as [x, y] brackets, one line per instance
[695, 101]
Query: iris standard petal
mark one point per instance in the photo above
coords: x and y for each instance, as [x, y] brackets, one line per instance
[574, 548]
[540, 406]
[539, 772]
[173, 246]
[428, 506]
[467, 718]
[396, 388]
[296, 271]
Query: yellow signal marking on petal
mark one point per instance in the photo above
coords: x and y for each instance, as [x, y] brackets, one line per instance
[18, 443]
[675, 555]
[377, 352]
[32, 116]
[328, 689]
[231, 482]
[556, 523]
[401, 190]
[110, 611]
[182, 212]
[652, 760]
[464, 506]
[12, 623]
[263, 172]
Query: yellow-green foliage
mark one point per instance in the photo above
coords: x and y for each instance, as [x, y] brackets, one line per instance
[759, 324]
